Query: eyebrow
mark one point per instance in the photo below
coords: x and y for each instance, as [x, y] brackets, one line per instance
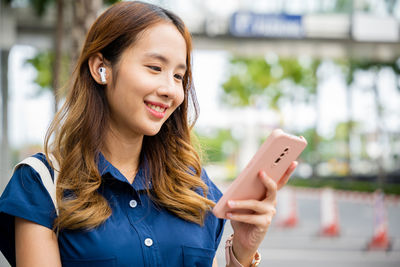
[164, 59]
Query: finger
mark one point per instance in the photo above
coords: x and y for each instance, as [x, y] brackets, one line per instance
[257, 206]
[261, 221]
[286, 176]
[270, 185]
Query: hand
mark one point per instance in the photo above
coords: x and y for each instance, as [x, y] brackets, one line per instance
[250, 229]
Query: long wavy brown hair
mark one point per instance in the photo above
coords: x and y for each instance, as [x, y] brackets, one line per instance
[75, 136]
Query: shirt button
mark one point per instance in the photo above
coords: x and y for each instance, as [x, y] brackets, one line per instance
[133, 203]
[148, 242]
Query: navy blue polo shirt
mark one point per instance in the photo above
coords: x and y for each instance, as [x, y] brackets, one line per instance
[138, 233]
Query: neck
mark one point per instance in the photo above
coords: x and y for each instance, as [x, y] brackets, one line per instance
[123, 152]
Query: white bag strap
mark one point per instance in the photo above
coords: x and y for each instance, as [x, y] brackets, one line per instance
[56, 167]
[44, 174]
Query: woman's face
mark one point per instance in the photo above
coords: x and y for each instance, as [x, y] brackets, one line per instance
[149, 84]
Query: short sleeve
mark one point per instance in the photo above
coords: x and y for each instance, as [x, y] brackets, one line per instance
[214, 194]
[26, 197]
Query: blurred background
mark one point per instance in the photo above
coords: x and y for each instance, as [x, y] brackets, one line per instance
[325, 69]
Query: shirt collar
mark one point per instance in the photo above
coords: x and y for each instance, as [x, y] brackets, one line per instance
[139, 183]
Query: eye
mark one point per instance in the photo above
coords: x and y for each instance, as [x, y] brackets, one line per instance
[155, 68]
[179, 77]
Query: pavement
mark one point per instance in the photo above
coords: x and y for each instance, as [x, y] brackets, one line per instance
[303, 246]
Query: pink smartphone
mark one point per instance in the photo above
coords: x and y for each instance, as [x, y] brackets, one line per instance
[274, 157]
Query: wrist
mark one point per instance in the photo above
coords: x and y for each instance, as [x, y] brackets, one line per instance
[232, 260]
[244, 255]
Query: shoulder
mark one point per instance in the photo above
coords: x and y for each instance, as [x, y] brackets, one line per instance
[26, 196]
[43, 159]
[26, 168]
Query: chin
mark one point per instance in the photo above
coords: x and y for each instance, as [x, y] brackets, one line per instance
[152, 132]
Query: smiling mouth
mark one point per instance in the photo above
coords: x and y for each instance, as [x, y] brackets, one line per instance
[156, 108]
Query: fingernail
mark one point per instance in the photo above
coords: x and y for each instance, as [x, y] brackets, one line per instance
[231, 203]
[261, 174]
[229, 215]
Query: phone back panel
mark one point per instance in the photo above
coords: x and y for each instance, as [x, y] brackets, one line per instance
[274, 157]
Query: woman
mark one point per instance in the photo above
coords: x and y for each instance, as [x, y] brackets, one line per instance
[130, 188]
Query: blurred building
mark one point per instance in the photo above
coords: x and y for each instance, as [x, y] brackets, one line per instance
[367, 29]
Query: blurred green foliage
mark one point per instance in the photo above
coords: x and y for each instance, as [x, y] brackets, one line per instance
[273, 81]
[110, 2]
[351, 66]
[252, 79]
[43, 62]
[217, 146]
[313, 141]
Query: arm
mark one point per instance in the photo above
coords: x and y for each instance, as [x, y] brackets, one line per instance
[250, 229]
[35, 245]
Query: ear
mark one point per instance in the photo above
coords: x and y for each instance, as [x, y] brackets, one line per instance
[95, 62]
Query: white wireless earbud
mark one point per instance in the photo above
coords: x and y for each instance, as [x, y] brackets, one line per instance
[102, 72]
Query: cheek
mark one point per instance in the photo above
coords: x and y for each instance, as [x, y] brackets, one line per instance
[180, 97]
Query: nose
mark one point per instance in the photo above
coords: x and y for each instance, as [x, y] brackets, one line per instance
[168, 88]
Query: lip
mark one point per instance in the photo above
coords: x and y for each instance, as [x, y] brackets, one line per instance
[156, 114]
[161, 105]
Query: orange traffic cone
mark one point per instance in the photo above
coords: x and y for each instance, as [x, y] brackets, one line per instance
[329, 214]
[287, 208]
[380, 239]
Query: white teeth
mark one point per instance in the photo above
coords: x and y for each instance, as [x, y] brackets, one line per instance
[156, 108]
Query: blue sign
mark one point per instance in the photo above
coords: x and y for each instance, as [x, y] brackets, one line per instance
[249, 24]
